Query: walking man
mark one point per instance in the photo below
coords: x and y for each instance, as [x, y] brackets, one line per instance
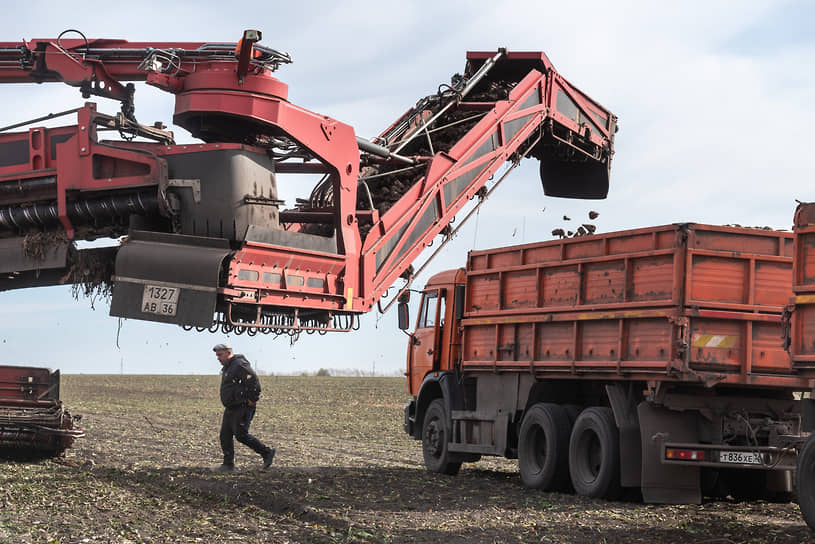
[240, 391]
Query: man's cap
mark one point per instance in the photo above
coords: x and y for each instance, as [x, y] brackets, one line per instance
[221, 347]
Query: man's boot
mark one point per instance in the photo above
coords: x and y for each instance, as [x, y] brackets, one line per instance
[268, 458]
[224, 468]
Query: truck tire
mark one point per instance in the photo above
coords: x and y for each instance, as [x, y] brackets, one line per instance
[594, 454]
[806, 481]
[435, 438]
[543, 447]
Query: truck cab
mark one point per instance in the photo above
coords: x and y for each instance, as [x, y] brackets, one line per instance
[434, 347]
[434, 352]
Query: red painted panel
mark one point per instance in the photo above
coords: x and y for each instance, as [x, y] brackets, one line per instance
[519, 289]
[479, 343]
[555, 342]
[585, 247]
[27, 384]
[805, 260]
[768, 353]
[504, 259]
[717, 345]
[773, 281]
[598, 340]
[483, 293]
[477, 262]
[719, 279]
[803, 331]
[560, 286]
[604, 282]
[506, 343]
[648, 340]
[526, 341]
[515, 342]
[542, 254]
[652, 279]
[737, 240]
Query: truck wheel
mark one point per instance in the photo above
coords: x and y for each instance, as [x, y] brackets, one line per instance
[543, 447]
[435, 437]
[806, 482]
[594, 454]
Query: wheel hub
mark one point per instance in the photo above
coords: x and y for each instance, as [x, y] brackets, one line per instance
[434, 437]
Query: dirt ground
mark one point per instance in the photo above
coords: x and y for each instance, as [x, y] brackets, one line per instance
[344, 472]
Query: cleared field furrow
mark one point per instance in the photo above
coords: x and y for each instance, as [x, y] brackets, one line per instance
[345, 472]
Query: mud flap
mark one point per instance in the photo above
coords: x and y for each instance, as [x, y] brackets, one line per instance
[14, 259]
[50, 264]
[169, 278]
[625, 415]
[661, 483]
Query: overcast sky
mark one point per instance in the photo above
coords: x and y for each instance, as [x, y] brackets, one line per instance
[714, 101]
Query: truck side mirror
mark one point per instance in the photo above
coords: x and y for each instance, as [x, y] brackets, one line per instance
[403, 314]
[404, 296]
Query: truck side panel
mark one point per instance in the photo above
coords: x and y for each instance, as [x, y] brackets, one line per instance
[695, 303]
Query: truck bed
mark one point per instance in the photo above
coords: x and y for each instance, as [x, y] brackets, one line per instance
[683, 302]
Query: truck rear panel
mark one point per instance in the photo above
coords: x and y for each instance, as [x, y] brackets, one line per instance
[802, 346]
[683, 302]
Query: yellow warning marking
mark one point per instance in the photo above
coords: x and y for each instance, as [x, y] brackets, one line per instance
[349, 296]
[721, 341]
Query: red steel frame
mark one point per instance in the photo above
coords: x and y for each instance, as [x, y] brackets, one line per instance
[426, 196]
[354, 279]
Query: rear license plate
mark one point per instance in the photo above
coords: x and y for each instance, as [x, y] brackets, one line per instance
[740, 457]
[160, 300]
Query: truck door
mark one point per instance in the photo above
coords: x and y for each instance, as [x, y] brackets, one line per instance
[424, 349]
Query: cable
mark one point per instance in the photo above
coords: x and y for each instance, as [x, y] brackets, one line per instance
[64, 32]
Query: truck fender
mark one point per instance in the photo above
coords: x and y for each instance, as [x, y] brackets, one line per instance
[443, 385]
[623, 400]
[808, 414]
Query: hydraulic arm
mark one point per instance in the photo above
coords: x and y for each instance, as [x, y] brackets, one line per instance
[208, 243]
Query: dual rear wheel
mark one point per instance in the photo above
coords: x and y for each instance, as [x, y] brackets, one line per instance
[543, 447]
[555, 450]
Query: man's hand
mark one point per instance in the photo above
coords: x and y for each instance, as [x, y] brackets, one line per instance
[251, 403]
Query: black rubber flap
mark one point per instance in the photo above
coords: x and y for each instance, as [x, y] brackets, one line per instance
[47, 256]
[169, 278]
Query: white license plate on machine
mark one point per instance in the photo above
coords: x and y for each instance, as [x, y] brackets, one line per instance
[740, 457]
[160, 300]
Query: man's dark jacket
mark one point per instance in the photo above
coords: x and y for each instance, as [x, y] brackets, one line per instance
[239, 383]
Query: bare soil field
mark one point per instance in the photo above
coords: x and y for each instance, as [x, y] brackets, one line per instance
[344, 472]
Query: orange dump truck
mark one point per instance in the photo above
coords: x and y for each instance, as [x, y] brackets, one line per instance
[648, 359]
